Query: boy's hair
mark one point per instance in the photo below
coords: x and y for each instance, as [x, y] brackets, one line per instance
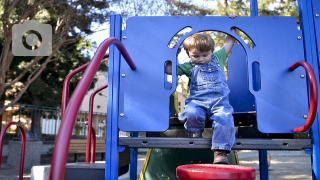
[201, 41]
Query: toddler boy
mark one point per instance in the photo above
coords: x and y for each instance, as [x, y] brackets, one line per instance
[209, 93]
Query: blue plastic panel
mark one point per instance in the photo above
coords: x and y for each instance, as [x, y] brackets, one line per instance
[281, 102]
[316, 19]
[240, 97]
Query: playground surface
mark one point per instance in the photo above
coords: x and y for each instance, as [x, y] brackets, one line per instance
[284, 165]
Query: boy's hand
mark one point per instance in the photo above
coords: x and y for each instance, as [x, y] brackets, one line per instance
[232, 17]
[168, 68]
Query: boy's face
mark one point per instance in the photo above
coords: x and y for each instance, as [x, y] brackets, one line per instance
[198, 57]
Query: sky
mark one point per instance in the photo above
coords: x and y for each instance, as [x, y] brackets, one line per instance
[104, 29]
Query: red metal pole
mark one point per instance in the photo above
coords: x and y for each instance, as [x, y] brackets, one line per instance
[313, 95]
[60, 153]
[23, 148]
[93, 147]
[65, 91]
[90, 121]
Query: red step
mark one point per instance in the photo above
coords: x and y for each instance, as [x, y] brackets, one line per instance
[215, 172]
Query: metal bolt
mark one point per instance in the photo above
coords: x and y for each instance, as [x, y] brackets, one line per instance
[299, 37]
[302, 76]
[317, 15]
[121, 114]
[124, 37]
[123, 75]
[305, 116]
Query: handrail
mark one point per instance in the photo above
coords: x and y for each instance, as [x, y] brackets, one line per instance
[90, 122]
[93, 147]
[65, 91]
[313, 95]
[60, 153]
[23, 148]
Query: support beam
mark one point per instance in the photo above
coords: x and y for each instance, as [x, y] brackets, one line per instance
[205, 143]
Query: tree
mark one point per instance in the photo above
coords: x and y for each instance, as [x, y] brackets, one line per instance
[70, 22]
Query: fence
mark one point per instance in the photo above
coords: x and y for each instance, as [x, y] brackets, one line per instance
[45, 122]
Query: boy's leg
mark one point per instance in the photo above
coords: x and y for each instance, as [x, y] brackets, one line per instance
[223, 136]
[193, 118]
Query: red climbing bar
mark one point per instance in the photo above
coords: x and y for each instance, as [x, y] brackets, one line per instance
[23, 148]
[313, 95]
[60, 153]
[93, 146]
[90, 122]
[65, 91]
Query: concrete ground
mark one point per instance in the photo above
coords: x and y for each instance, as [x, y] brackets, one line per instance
[284, 165]
[8, 172]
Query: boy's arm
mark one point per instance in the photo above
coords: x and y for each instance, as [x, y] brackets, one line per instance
[168, 68]
[229, 39]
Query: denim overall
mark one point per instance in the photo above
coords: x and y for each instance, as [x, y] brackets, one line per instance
[209, 98]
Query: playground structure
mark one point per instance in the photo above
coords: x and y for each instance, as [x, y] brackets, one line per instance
[280, 95]
[284, 101]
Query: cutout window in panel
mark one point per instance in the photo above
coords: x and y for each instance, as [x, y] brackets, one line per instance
[256, 79]
[245, 38]
[178, 36]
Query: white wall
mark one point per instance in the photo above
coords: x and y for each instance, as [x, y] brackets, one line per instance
[100, 100]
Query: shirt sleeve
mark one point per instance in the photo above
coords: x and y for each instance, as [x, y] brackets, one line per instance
[221, 57]
[185, 69]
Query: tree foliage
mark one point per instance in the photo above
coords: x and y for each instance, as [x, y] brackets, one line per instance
[71, 23]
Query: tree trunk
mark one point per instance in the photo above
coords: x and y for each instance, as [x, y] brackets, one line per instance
[226, 7]
[36, 117]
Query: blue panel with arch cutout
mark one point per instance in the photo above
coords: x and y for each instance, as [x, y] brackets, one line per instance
[281, 101]
[240, 97]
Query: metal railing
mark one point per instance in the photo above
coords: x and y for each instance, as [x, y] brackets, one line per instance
[49, 120]
[59, 158]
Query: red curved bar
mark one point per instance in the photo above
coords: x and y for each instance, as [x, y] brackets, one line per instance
[106, 56]
[90, 121]
[60, 153]
[313, 95]
[23, 148]
[65, 91]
